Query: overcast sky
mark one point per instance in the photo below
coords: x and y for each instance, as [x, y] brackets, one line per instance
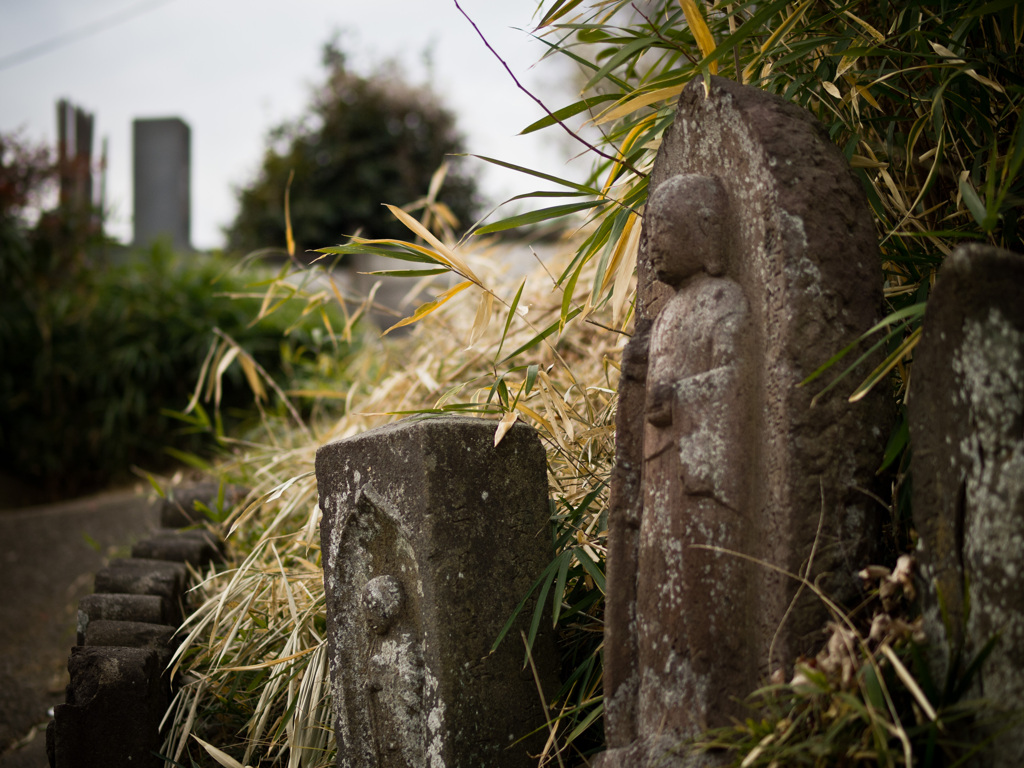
[232, 69]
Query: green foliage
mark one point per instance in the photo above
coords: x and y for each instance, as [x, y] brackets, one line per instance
[363, 141]
[93, 364]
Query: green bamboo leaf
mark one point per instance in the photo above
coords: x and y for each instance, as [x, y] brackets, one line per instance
[558, 10]
[378, 251]
[541, 336]
[556, 601]
[538, 174]
[546, 576]
[535, 217]
[409, 272]
[633, 48]
[591, 567]
[566, 112]
[511, 313]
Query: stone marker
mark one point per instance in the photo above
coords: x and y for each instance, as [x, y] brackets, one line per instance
[758, 262]
[111, 717]
[162, 195]
[966, 410]
[431, 536]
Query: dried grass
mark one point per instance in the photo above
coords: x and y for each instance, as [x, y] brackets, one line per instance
[253, 661]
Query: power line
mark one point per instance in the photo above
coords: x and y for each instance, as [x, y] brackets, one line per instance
[87, 30]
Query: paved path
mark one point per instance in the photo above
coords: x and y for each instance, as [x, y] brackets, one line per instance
[48, 556]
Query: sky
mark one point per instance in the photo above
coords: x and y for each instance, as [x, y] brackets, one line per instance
[233, 69]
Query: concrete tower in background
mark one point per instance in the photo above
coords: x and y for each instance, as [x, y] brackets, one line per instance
[162, 158]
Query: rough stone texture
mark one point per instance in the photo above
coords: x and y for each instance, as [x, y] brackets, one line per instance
[431, 536]
[146, 608]
[966, 410]
[758, 261]
[115, 701]
[179, 508]
[139, 576]
[196, 547]
[133, 634]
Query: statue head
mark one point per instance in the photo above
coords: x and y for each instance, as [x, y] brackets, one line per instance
[685, 227]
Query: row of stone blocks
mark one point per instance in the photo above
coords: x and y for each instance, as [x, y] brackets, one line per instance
[120, 684]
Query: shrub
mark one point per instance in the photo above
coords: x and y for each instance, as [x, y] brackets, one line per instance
[94, 364]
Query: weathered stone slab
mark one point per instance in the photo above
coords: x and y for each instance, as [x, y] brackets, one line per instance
[431, 536]
[757, 263]
[111, 717]
[139, 576]
[133, 634]
[120, 607]
[179, 508]
[195, 547]
[966, 410]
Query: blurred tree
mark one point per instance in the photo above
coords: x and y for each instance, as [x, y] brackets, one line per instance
[364, 141]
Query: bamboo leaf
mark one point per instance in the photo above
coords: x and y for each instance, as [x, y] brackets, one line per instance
[443, 253]
[504, 426]
[221, 757]
[566, 112]
[425, 309]
[638, 102]
[701, 32]
[535, 217]
[541, 336]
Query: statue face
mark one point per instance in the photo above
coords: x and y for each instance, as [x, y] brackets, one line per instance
[685, 228]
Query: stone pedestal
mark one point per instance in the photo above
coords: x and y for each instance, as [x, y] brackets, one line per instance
[431, 536]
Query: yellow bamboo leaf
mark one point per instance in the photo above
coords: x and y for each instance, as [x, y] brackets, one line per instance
[863, 91]
[226, 359]
[288, 236]
[786, 25]
[482, 319]
[535, 416]
[624, 273]
[221, 757]
[846, 64]
[859, 161]
[701, 32]
[616, 168]
[425, 309]
[878, 36]
[442, 252]
[637, 103]
[945, 53]
[253, 377]
[504, 426]
[831, 89]
[984, 80]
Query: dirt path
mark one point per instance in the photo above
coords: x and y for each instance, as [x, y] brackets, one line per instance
[48, 556]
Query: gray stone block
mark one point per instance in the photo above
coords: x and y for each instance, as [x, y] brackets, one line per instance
[120, 607]
[193, 547]
[966, 412]
[111, 717]
[138, 576]
[431, 536]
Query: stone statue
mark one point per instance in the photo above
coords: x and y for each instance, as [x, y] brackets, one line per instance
[757, 263]
[693, 464]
